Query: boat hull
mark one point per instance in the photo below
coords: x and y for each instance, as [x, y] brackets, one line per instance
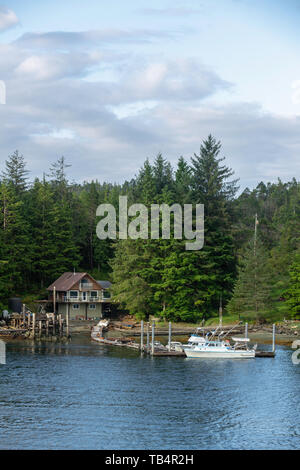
[220, 354]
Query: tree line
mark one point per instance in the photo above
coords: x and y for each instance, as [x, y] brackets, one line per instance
[48, 226]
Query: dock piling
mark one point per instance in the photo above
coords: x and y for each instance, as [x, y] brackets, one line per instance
[33, 324]
[148, 336]
[246, 330]
[170, 336]
[24, 314]
[142, 336]
[60, 323]
[153, 335]
[68, 320]
[273, 338]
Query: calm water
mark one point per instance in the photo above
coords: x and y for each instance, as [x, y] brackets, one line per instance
[87, 396]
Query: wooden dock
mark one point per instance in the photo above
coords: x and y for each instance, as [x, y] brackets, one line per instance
[265, 354]
[167, 353]
[155, 348]
[12, 332]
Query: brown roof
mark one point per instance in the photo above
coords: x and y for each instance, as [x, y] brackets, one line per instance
[67, 280]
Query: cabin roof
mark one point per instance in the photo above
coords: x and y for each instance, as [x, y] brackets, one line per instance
[67, 280]
[105, 284]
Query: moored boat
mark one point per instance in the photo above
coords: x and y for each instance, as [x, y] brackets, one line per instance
[221, 349]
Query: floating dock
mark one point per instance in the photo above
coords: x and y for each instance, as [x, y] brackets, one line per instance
[265, 354]
[155, 348]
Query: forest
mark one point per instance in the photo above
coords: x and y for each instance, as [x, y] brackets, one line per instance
[250, 262]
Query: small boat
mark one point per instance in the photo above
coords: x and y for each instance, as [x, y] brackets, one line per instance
[159, 345]
[221, 349]
[175, 346]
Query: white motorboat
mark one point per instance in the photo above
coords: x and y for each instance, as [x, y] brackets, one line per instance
[221, 349]
[194, 339]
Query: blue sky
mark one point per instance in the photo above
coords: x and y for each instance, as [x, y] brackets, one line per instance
[111, 83]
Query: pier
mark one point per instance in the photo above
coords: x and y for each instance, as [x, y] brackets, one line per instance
[28, 324]
[155, 348]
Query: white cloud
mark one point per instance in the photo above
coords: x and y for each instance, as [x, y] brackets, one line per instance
[152, 105]
[296, 92]
[7, 18]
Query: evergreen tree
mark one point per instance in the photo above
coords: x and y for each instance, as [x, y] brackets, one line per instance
[40, 215]
[216, 261]
[293, 291]
[183, 179]
[252, 291]
[15, 247]
[130, 284]
[15, 172]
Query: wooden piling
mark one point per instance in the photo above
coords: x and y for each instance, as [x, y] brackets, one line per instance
[68, 320]
[33, 324]
[142, 335]
[170, 336]
[54, 300]
[152, 339]
[40, 328]
[24, 314]
[47, 327]
[148, 336]
[273, 338]
[60, 324]
[246, 330]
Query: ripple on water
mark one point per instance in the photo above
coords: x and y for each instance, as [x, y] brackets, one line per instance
[84, 396]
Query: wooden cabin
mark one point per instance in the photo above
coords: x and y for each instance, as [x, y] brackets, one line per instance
[80, 295]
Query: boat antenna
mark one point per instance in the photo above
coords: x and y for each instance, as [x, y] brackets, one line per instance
[214, 332]
[239, 323]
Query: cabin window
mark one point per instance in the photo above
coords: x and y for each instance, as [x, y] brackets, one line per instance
[92, 306]
[75, 306]
[74, 293]
[94, 293]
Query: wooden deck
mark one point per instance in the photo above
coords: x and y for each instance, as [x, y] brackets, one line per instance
[264, 354]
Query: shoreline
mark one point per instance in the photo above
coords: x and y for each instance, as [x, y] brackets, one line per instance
[260, 334]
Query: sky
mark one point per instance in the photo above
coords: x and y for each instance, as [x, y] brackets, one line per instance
[109, 84]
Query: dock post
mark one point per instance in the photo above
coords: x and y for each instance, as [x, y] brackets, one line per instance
[47, 327]
[273, 339]
[246, 330]
[153, 334]
[148, 337]
[24, 315]
[170, 335]
[40, 328]
[67, 320]
[54, 300]
[60, 324]
[33, 324]
[29, 318]
[142, 336]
